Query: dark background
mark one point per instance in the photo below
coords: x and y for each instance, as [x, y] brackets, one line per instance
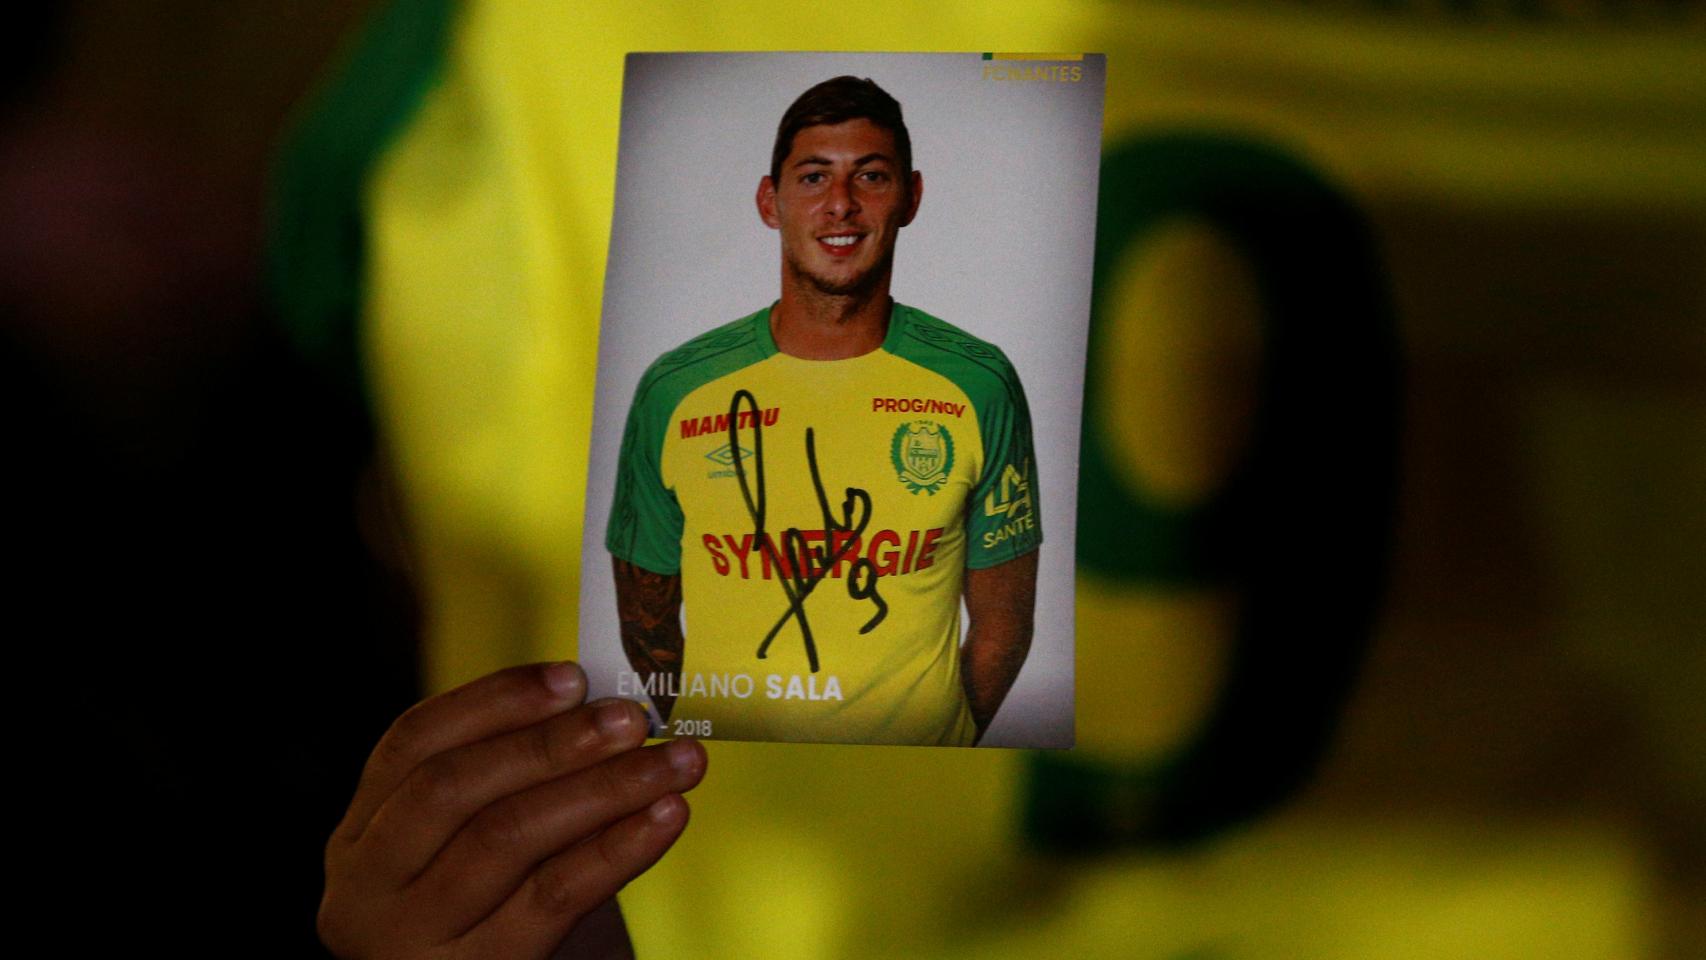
[204, 643]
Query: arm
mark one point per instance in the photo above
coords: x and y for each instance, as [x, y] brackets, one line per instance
[1000, 602]
[649, 605]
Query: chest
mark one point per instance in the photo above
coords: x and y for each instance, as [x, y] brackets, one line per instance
[869, 442]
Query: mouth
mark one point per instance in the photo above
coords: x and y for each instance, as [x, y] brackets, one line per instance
[841, 244]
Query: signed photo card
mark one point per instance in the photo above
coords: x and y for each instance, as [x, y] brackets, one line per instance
[835, 441]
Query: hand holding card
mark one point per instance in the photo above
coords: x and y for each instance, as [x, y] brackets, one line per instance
[499, 819]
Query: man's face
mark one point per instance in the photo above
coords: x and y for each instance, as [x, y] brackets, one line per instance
[841, 201]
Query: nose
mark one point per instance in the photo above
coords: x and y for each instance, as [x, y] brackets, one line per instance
[843, 202]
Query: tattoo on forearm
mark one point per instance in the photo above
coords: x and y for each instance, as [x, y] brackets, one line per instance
[649, 608]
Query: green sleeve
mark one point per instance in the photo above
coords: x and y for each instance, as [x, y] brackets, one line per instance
[645, 519]
[1003, 519]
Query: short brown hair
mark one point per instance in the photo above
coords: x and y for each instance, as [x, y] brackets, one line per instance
[837, 101]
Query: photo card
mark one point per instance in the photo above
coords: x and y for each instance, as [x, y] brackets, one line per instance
[834, 464]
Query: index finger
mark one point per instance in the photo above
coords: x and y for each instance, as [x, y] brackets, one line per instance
[496, 703]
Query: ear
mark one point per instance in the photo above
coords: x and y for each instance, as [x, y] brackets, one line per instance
[766, 201]
[915, 194]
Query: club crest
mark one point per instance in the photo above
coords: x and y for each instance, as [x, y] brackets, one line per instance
[923, 454]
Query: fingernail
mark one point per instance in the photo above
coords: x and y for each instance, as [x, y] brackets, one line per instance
[613, 717]
[565, 679]
[663, 810]
[683, 755]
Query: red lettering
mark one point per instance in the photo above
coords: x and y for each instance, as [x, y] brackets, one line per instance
[812, 562]
[815, 551]
[770, 555]
[928, 547]
[717, 559]
[916, 405]
[741, 551]
[885, 561]
[841, 540]
[704, 426]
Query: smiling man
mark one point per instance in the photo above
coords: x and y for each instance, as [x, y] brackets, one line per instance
[815, 486]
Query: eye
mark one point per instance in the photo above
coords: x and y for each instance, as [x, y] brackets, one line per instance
[875, 176]
[816, 176]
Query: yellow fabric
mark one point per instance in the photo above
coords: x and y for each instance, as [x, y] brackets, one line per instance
[490, 221]
[898, 683]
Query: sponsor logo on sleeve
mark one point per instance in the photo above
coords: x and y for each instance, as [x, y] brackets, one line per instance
[1010, 500]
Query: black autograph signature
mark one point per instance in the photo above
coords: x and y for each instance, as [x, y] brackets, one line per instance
[806, 566]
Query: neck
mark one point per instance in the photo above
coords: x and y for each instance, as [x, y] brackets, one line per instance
[813, 325]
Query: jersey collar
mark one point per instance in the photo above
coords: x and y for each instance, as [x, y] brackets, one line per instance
[767, 343]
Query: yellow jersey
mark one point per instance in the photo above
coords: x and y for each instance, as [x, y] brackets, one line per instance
[821, 515]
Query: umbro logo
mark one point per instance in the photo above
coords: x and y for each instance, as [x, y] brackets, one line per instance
[725, 455]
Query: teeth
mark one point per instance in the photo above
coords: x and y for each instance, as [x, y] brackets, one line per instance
[840, 241]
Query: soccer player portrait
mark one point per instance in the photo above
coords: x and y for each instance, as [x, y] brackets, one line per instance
[825, 518]
[892, 454]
